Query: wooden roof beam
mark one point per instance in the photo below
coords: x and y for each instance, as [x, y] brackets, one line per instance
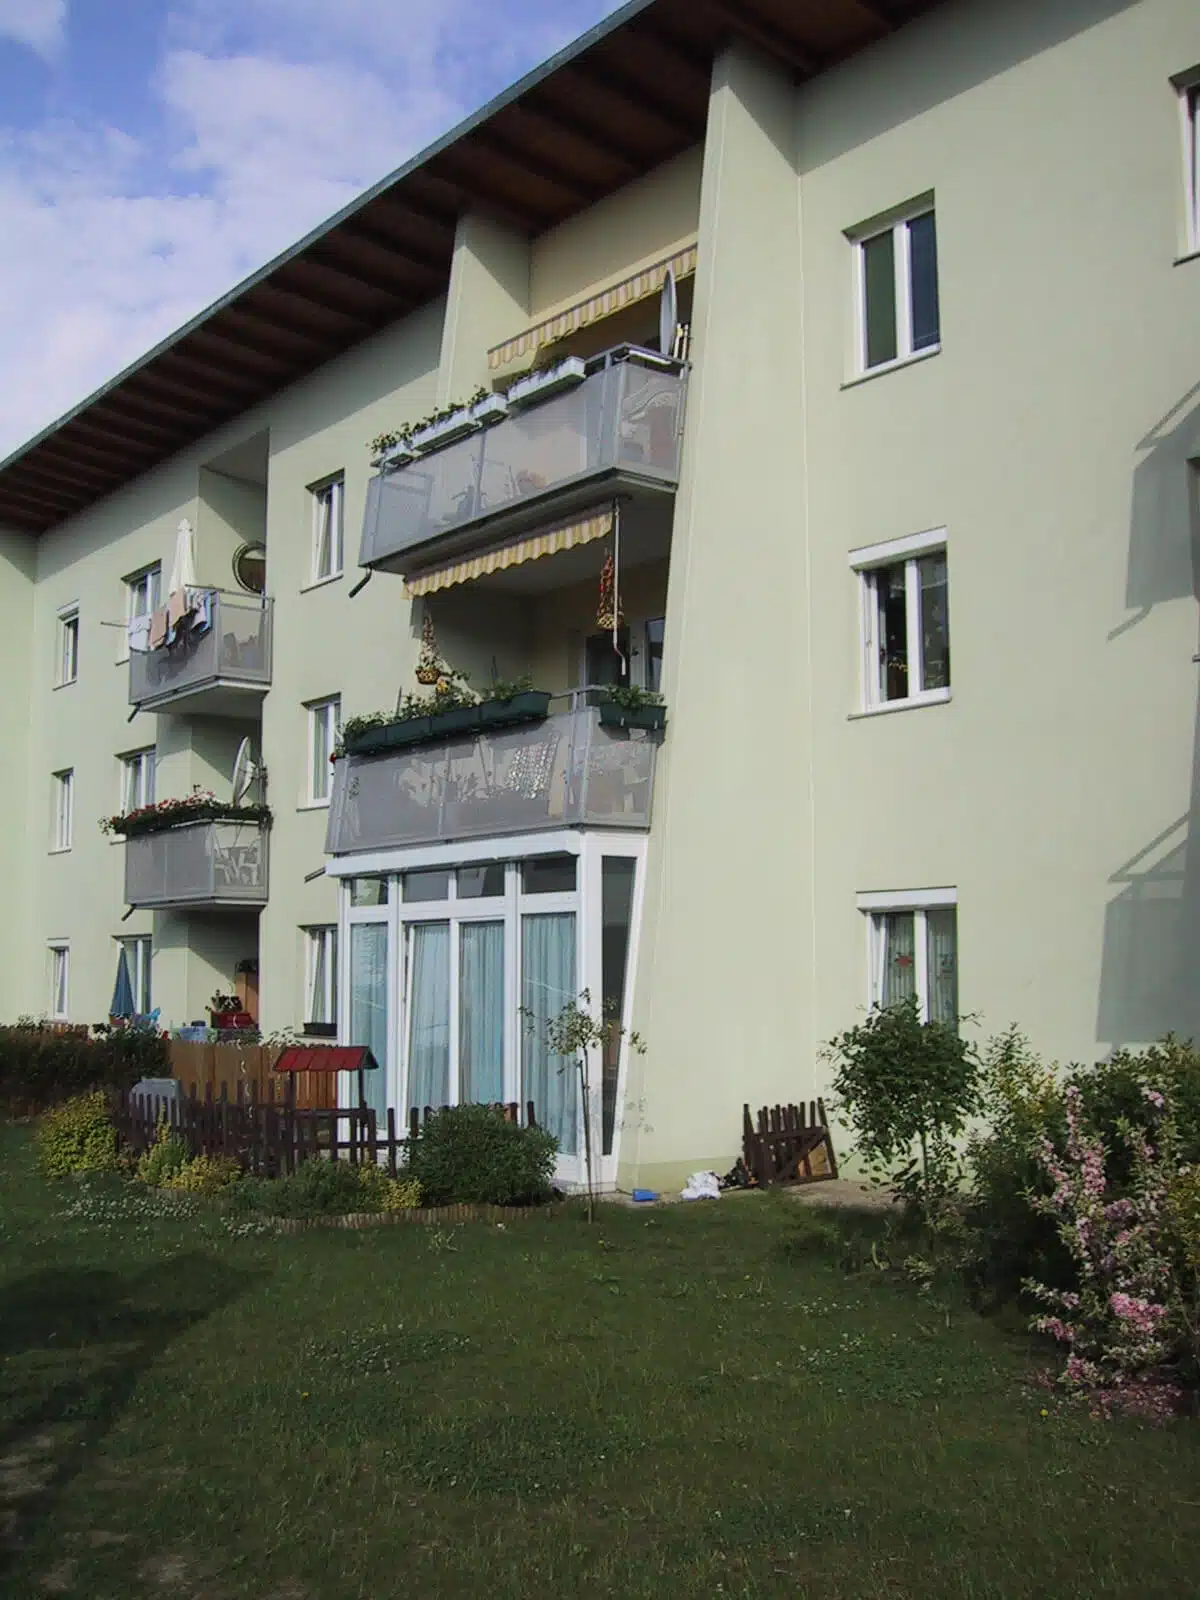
[53, 477]
[758, 31]
[553, 120]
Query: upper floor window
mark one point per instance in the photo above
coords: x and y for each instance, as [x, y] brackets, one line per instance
[68, 645]
[1189, 103]
[905, 610]
[137, 779]
[142, 592]
[64, 809]
[324, 723]
[897, 289]
[327, 528]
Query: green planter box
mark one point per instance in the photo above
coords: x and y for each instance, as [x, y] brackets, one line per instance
[614, 716]
[531, 706]
[390, 736]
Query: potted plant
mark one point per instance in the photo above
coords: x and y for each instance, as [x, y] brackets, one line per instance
[445, 428]
[627, 706]
[514, 701]
[397, 452]
[490, 408]
[226, 1012]
[199, 806]
[451, 710]
[538, 386]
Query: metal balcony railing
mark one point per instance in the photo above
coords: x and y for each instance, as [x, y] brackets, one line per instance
[618, 429]
[565, 772]
[227, 663]
[198, 864]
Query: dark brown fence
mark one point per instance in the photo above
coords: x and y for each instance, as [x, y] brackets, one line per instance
[790, 1144]
[270, 1136]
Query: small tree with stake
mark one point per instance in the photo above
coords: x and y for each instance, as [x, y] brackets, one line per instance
[574, 1034]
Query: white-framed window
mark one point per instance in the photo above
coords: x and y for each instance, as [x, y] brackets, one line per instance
[1189, 107]
[139, 953]
[64, 809]
[143, 592]
[324, 723]
[328, 530]
[321, 975]
[913, 950]
[60, 980]
[904, 599]
[896, 280]
[68, 646]
[137, 779]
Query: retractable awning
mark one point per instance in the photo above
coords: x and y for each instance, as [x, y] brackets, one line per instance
[640, 286]
[531, 547]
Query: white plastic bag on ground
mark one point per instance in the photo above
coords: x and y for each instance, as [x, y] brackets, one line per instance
[702, 1186]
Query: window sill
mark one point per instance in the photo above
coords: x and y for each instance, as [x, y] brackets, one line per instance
[313, 805]
[67, 683]
[322, 583]
[1188, 255]
[892, 366]
[932, 697]
[59, 850]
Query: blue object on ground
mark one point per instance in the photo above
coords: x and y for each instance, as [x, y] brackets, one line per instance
[644, 1194]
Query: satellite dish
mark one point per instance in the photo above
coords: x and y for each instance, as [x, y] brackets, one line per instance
[247, 776]
[668, 314]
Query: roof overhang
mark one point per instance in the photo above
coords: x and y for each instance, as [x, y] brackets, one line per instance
[625, 97]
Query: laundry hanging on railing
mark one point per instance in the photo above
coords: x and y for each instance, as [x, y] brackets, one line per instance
[187, 613]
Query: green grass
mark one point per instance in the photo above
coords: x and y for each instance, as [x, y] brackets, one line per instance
[666, 1404]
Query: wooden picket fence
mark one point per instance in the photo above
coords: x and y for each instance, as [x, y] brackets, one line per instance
[271, 1136]
[789, 1144]
[245, 1069]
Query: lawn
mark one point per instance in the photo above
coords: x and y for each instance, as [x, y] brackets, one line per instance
[667, 1404]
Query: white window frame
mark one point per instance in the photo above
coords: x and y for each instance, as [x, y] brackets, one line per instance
[915, 903]
[137, 778]
[896, 223]
[1188, 88]
[143, 596]
[325, 712]
[866, 562]
[328, 513]
[317, 937]
[64, 810]
[139, 956]
[59, 951]
[68, 646]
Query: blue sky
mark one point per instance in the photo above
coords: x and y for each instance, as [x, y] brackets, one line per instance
[153, 153]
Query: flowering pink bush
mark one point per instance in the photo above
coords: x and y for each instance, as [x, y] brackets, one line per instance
[1128, 1317]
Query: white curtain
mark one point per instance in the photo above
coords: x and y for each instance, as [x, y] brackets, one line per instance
[941, 946]
[368, 1004]
[429, 1015]
[897, 958]
[547, 984]
[481, 1013]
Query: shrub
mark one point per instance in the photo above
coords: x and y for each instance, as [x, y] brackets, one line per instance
[164, 1161]
[204, 1175]
[316, 1189]
[471, 1155]
[383, 1193]
[907, 1088]
[40, 1067]
[77, 1137]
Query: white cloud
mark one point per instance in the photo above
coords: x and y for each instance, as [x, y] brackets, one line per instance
[272, 115]
[41, 24]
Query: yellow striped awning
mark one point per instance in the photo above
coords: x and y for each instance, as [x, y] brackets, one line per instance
[546, 542]
[626, 293]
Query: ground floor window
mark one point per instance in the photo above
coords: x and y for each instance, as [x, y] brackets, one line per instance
[320, 976]
[60, 980]
[914, 952]
[138, 953]
[453, 972]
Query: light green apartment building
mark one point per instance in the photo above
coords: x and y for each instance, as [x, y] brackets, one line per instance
[901, 504]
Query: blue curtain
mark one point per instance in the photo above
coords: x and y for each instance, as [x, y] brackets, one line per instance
[368, 1005]
[547, 983]
[481, 1012]
[429, 1015]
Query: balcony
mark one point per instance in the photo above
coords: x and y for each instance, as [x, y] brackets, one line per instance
[222, 672]
[198, 864]
[565, 772]
[617, 431]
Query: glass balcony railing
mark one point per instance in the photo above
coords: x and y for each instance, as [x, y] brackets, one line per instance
[198, 864]
[619, 428]
[215, 670]
[565, 772]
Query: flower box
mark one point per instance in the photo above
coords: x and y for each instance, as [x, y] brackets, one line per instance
[232, 1021]
[396, 455]
[448, 429]
[533, 705]
[613, 715]
[540, 386]
[493, 408]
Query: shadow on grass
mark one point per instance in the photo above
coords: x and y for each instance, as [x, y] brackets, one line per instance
[74, 1342]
